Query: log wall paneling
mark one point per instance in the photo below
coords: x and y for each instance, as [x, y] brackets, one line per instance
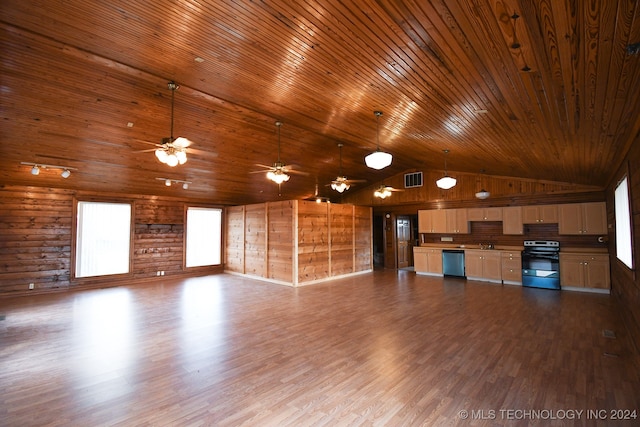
[234, 239]
[363, 235]
[36, 239]
[281, 240]
[313, 241]
[342, 235]
[255, 240]
[625, 283]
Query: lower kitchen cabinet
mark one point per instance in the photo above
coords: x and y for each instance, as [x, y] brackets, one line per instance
[585, 270]
[427, 261]
[511, 268]
[485, 265]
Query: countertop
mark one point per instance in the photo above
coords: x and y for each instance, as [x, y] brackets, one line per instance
[509, 248]
[467, 246]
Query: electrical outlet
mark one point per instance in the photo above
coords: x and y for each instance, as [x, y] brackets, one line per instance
[158, 273]
[32, 285]
[162, 273]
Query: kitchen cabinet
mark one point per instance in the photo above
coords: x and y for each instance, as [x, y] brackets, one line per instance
[485, 265]
[457, 221]
[427, 261]
[582, 218]
[512, 220]
[484, 214]
[432, 221]
[585, 270]
[511, 267]
[541, 214]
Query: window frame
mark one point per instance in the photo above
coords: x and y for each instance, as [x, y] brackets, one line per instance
[625, 176]
[74, 239]
[222, 239]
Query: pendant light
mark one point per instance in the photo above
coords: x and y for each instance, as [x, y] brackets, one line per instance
[378, 159]
[446, 182]
[482, 194]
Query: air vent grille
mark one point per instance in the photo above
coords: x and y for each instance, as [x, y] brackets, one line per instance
[413, 179]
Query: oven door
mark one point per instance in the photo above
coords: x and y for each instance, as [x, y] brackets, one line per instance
[540, 270]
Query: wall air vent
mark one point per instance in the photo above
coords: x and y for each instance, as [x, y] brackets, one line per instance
[413, 179]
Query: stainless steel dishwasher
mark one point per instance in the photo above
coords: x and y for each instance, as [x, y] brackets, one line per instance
[453, 262]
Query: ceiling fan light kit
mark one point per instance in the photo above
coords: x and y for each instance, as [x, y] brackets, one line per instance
[35, 168]
[378, 159]
[278, 174]
[382, 192]
[340, 186]
[446, 182]
[173, 151]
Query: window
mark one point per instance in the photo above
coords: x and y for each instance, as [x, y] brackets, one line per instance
[103, 238]
[204, 236]
[623, 223]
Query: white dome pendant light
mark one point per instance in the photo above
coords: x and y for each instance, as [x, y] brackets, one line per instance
[446, 182]
[378, 159]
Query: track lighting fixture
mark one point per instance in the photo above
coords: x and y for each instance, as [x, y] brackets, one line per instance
[169, 181]
[36, 167]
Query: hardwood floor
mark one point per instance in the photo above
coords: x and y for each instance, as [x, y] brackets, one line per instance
[384, 348]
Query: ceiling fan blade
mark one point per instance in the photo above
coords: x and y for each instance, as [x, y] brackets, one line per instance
[181, 142]
[286, 170]
[258, 171]
[264, 166]
[203, 153]
[352, 181]
[146, 151]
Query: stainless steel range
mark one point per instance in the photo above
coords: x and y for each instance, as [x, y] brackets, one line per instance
[541, 264]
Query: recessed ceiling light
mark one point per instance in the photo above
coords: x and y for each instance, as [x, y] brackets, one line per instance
[198, 59]
[130, 124]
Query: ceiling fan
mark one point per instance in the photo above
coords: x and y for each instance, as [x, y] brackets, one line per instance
[341, 183]
[318, 198]
[278, 172]
[385, 191]
[173, 151]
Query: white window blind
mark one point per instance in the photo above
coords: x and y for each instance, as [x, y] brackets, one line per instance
[204, 236]
[103, 238]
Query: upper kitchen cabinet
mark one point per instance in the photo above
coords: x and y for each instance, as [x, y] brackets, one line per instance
[484, 214]
[457, 221]
[432, 221]
[542, 214]
[582, 218]
[512, 220]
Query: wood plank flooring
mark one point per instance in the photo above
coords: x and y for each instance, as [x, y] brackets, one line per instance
[387, 348]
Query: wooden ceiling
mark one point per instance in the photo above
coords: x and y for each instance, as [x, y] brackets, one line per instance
[531, 89]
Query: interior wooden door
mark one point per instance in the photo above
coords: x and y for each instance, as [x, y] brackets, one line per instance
[403, 233]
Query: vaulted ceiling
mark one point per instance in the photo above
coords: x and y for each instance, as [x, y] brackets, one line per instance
[543, 89]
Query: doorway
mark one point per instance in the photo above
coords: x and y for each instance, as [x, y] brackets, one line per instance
[404, 241]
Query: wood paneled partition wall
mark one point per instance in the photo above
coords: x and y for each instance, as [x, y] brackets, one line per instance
[36, 234]
[297, 242]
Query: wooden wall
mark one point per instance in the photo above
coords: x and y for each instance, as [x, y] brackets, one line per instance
[429, 196]
[313, 242]
[306, 241]
[36, 232]
[625, 283]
